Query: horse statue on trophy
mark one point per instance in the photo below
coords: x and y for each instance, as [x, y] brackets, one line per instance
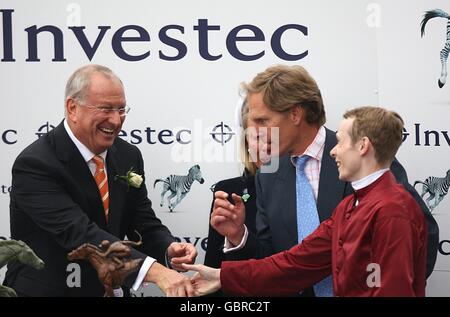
[14, 250]
[111, 261]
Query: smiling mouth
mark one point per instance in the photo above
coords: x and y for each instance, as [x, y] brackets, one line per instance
[107, 131]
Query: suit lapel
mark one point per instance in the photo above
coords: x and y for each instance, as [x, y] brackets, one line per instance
[331, 189]
[285, 187]
[80, 174]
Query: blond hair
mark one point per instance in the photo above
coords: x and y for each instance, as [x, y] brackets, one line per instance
[249, 162]
[284, 87]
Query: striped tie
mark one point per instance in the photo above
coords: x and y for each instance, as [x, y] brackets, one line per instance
[102, 182]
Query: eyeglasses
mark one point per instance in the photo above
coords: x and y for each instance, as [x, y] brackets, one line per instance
[104, 110]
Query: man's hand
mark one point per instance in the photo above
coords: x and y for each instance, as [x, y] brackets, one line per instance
[172, 283]
[228, 219]
[206, 280]
[180, 252]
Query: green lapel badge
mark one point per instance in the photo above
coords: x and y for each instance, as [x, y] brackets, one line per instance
[245, 195]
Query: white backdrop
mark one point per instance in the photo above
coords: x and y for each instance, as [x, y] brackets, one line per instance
[360, 53]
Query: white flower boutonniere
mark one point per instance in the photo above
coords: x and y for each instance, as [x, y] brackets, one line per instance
[132, 179]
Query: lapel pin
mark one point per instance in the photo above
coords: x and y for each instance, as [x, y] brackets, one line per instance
[245, 196]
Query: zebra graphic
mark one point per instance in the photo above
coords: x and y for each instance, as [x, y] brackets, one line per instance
[444, 52]
[437, 187]
[179, 185]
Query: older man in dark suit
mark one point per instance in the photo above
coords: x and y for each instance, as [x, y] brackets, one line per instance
[65, 193]
[286, 101]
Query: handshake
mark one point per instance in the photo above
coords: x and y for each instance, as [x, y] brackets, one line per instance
[175, 284]
[205, 281]
[228, 219]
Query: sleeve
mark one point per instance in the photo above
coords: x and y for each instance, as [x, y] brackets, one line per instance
[433, 229]
[395, 242]
[156, 236]
[214, 254]
[284, 273]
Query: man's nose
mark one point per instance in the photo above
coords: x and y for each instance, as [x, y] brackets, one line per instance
[333, 152]
[115, 118]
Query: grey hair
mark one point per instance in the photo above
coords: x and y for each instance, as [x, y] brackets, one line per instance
[79, 82]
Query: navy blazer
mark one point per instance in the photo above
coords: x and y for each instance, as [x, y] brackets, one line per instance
[276, 219]
[56, 207]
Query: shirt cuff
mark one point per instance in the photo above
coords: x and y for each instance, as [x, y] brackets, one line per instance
[230, 248]
[143, 272]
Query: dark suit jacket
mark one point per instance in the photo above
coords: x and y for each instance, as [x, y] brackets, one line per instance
[55, 207]
[276, 219]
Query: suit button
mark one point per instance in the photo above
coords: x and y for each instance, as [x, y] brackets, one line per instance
[341, 242]
[347, 215]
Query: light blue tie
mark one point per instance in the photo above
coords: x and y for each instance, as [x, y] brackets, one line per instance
[308, 219]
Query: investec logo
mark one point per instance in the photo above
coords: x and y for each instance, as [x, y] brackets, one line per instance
[422, 136]
[220, 133]
[170, 36]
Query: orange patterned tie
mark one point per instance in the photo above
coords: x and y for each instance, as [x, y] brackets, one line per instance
[102, 182]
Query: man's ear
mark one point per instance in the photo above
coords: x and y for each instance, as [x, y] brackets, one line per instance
[71, 109]
[296, 114]
[364, 145]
